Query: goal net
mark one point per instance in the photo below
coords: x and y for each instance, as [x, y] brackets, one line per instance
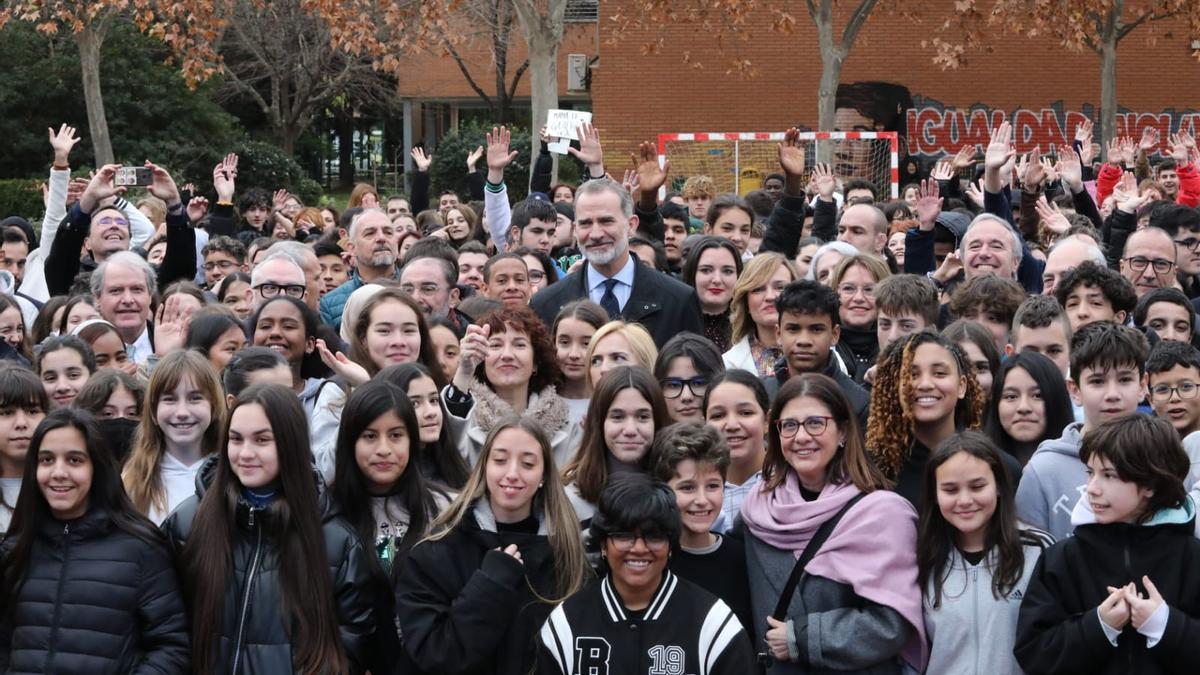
[739, 162]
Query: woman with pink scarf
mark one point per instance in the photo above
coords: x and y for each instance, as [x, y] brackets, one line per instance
[857, 606]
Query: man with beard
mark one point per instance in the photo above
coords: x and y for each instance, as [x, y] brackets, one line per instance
[604, 221]
[373, 240]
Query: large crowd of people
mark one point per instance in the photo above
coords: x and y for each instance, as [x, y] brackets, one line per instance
[807, 429]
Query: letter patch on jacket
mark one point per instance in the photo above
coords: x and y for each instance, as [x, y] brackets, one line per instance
[591, 655]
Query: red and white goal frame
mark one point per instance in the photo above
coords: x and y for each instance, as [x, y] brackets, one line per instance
[885, 172]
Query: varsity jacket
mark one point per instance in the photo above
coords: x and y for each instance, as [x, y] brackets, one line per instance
[684, 629]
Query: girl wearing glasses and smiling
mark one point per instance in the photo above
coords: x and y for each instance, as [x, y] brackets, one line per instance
[831, 554]
[684, 367]
[641, 617]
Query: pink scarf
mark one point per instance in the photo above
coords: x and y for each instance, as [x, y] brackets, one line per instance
[873, 549]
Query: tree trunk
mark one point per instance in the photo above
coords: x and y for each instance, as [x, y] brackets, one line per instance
[543, 33]
[1108, 91]
[832, 59]
[90, 39]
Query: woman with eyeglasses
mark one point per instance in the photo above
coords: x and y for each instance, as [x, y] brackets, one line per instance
[857, 606]
[627, 410]
[641, 617]
[684, 367]
[712, 268]
[855, 279]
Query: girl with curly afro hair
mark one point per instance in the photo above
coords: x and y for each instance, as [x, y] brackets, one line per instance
[924, 391]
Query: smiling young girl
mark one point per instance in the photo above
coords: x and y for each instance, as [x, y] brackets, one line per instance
[684, 367]
[924, 391]
[974, 561]
[217, 334]
[435, 452]
[712, 268]
[641, 617]
[64, 363]
[23, 404]
[573, 330]
[276, 581]
[381, 493]
[181, 426]
[87, 584]
[1121, 594]
[471, 597]
[736, 405]
[1029, 403]
[289, 327]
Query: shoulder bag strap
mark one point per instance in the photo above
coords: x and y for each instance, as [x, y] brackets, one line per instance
[811, 550]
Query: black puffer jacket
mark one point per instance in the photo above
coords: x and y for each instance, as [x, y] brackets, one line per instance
[96, 599]
[262, 645]
[466, 608]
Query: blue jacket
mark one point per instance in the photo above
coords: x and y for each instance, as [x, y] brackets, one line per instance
[334, 302]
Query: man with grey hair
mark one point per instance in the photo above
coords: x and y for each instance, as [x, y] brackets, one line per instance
[122, 285]
[1064, 256]
[306, 259]
[374, 241]
[604, 221]
[276, 274]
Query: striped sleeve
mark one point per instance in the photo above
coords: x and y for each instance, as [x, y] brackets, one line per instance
[557, 640]
[720, 627]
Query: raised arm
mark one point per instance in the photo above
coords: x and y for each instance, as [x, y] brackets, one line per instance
[495, 199]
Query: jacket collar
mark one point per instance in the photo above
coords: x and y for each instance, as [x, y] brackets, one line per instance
[643, 300]
[616, 608]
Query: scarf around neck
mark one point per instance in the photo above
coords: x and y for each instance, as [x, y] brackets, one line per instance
[873, 548]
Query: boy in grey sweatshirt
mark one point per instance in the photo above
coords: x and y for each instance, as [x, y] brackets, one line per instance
[1108, 379]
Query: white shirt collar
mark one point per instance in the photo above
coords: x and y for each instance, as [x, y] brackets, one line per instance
[624, 275]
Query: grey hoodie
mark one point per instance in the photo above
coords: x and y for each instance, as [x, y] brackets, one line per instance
[1053, 480]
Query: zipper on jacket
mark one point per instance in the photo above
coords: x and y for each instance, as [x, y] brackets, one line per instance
[975, 617]
[241, 627]
[62, 576]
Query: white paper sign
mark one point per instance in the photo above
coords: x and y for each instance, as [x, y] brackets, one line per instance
[565, 123]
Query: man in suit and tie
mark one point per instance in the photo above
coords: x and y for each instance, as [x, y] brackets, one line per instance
[612, 277]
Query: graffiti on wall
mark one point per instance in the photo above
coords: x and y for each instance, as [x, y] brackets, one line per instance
[931, 128]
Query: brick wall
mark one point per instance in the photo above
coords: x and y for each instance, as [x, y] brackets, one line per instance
[635, 97]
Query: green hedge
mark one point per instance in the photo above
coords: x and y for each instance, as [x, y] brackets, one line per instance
[21, 197]
[449, 169]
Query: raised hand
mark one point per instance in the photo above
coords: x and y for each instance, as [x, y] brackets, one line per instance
[1000, 149]
[1128, 151]
[942, 170]
[279, 199]
[950, 267]
[650, 175]
[1051, 216]
[965, 157]
[1083, 132]
[1114, 151]
[590, 152]
[101, 187]
[421, 159]
[76, 188]
[498, 154]
[543, 135]
[225, 178]
[171, 325]
[1070, 170]
[1149, 141]
[62, 142]
[791, 153]
[1087, 152]
[196, 208]
[824, 181]
[929, 204]
[354, 374]
[1179, 148]
[1114, 611]
[1126, 195]
[975, 193]
[473, 158]
[163, 186]
[1141, 608]
[473, 349]
[630, 182]
[1048, 170]
[1034, 174]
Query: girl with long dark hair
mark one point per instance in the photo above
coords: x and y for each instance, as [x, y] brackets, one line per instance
[289, 327]
[23, 404]
[87, 584]
[627, 410]
[472, 596]
[381, 493]
[435, 452]
[974, 563]
[276, 581]
[1029, 403]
